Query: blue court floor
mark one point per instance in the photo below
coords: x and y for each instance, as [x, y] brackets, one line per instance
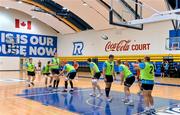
[80, 102]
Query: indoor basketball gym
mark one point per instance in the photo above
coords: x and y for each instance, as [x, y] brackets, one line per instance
[89, 57]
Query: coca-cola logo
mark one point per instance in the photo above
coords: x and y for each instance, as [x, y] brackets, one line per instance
[125, 45]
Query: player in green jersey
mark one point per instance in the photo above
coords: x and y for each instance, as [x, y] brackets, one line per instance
[31, 72]
[71, 74]
[128, 79]
[46, 72]
[147, 80]
[95, 77]
[55, 65]
[108, 73]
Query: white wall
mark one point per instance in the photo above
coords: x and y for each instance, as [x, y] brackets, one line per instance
[7, 23]
[94, 45]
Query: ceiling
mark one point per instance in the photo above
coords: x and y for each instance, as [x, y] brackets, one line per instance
[91, 14]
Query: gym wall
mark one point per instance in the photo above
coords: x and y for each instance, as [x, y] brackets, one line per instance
[120, 42]
[9, 24]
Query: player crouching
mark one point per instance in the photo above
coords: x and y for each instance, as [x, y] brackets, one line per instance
[128, 78]
[96, 74]
[71, 74]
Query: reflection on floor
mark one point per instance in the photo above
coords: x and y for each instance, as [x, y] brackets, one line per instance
[80, 102]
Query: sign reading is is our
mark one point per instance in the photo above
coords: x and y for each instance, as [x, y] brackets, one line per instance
[28, 45]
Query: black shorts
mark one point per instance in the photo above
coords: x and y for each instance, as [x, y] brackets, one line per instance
[55, 71]
[47, 74]
[31, 73]
[109, 78]
[97, 75]
[147, 86]
[129, 81]
[71, 75]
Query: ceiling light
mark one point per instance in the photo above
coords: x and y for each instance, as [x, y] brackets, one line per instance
[33, 17]
[20, 1]
[7, 7]
[84, 3]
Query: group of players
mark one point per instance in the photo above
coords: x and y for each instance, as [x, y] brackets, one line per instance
[145, 81]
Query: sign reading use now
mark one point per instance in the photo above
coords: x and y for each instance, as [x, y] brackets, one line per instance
[27, 45]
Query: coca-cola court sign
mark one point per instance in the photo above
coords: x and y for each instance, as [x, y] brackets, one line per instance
[126, 45]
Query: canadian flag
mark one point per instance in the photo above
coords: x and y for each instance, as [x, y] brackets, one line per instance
[22, 24]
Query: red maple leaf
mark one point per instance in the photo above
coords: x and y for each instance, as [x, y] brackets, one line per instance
[23, 24]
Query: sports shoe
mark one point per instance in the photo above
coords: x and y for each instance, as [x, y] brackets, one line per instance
[153, 111]
[71, 90]
[109, 99]
[146, 112]
[124, 100]
[92, 94]
[130, 102]
[64, 91]
[99, 95]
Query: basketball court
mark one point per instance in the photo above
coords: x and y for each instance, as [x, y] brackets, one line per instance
[77, 30]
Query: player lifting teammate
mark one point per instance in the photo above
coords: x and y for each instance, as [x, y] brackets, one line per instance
[108, 73]
[95, 77]
[31, 72]
[71, 74]
[128, 79]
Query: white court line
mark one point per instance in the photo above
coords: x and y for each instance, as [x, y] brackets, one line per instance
[160, 108]
[87, 101]
[53, 92]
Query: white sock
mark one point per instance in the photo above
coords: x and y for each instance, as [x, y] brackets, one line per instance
[129, 97]
[146, 108]
[125, 96]
[152, 107]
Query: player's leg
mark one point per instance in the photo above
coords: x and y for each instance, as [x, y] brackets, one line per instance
[127, 84]
[33, 78]
[46, 79]
[29, 81]
[54, 79]
[109, 80]
[139, 85]
[97, 76]
[71, 77]
[151, 100]
[71, 84]
[50, 81]
[146, 99]
[107, 90]
[94, 88]
[57, 78]
[57, 81]
[66, 83]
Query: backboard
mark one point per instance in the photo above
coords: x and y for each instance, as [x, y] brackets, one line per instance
[173, 43]
[123, 11]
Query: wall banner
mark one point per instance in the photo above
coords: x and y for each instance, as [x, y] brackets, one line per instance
[27, 45]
